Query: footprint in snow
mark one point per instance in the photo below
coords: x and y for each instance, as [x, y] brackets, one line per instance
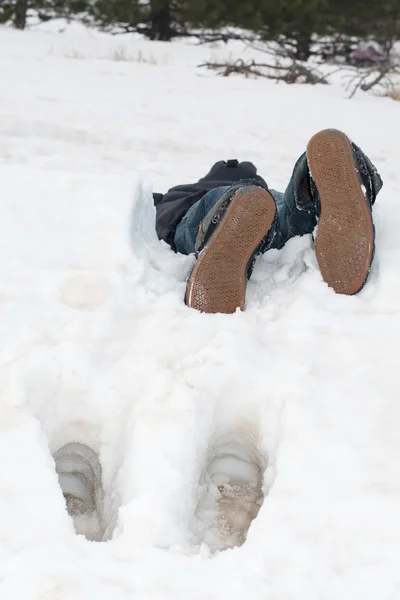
[230, 495]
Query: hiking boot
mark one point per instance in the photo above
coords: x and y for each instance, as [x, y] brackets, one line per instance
[240, 229]
[343, 189]
[79, 476]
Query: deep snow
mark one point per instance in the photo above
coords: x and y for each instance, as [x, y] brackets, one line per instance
[97, 346]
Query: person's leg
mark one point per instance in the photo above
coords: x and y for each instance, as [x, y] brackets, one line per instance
[335, 185]
[228, 228]
[205, 214]
[188, 229]
[296, 208]
[345, 185]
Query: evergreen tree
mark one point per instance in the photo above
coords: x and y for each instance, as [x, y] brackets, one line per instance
[221, 13]
[377, 20]
[294, 22]
[17, 11]
[291, 22]
[14, 11]
[156, 19]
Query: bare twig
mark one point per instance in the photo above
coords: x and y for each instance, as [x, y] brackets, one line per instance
[375, 77]
[295, 72]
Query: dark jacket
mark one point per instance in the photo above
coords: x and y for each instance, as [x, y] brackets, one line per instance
[172, 206]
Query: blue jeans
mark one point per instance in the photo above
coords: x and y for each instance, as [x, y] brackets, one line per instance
[295, 210]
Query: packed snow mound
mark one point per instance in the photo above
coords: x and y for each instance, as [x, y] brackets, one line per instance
[98, 348]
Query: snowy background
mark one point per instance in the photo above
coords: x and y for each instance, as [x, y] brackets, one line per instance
[98, 347]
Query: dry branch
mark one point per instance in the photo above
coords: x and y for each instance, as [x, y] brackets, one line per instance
[293, 72]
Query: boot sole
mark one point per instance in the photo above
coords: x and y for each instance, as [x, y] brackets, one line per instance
[218, 281]
[344, 242]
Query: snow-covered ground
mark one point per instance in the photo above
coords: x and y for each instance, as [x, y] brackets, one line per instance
[195, 417]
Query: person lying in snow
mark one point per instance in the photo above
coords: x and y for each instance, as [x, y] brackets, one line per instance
[231, 216]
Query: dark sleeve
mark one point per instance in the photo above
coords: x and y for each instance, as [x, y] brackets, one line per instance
[157, 198]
